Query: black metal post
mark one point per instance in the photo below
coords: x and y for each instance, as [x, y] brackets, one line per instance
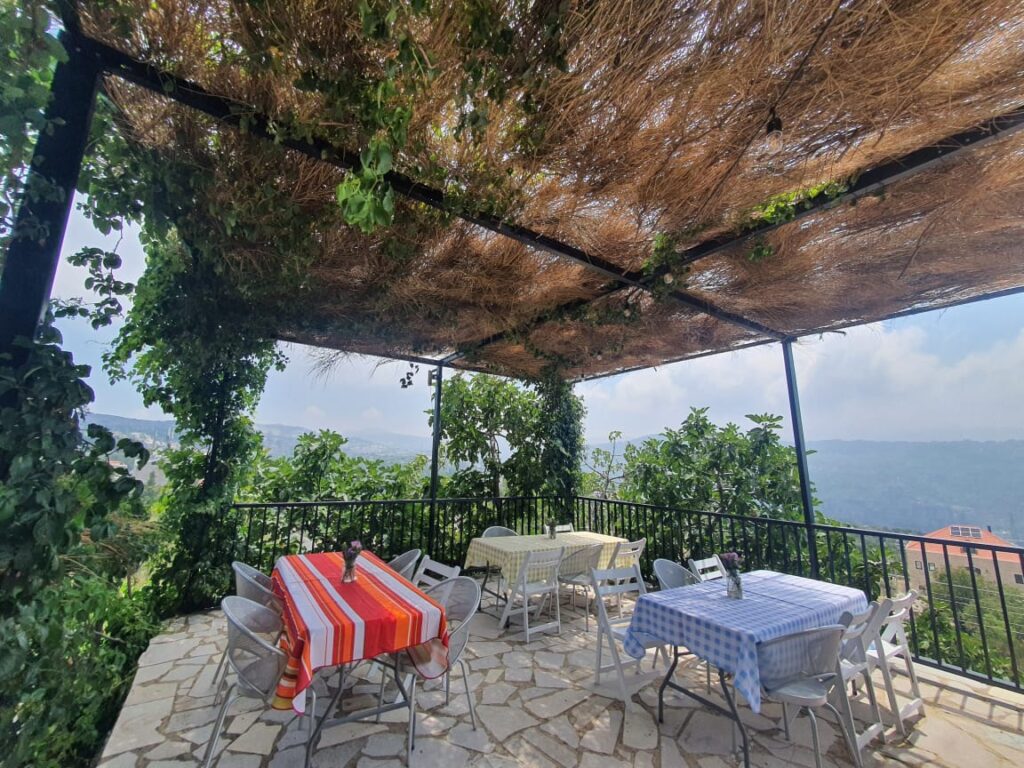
[436, 379]
[42, 217]
[801, 455]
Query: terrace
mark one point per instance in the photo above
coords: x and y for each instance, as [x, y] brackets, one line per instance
[616, 188]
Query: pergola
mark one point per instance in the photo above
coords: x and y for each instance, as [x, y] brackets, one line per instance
[699, 177]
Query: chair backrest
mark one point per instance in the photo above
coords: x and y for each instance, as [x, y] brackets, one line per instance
[497, 530]
[432, 572]
[893, 628]
[460, 598]
[564, 528]
[861, 630]
[708, 569]
[615, 581]
[580, 562]
[630, 551]
[405, 564]
[257, 663]
[540, 568]
[808, 654]
[672, 575]
[254, 585]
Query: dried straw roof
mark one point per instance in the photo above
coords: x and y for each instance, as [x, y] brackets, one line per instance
[655, 130]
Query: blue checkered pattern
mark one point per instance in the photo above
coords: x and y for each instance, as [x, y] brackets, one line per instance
[726, 632]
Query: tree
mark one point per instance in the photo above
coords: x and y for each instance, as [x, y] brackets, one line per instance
[502, 436]
[605, 470]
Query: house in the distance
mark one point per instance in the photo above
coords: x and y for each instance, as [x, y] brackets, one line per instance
[963, 539]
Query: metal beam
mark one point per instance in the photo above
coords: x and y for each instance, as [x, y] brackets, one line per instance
[869, 182]
[38, 232]
[435, 455]
[237, 114]
[801, 455]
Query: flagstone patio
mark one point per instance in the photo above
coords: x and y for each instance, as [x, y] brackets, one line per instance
[536, 706]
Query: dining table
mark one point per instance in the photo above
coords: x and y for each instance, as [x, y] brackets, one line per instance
[725, 632]
[330, 624]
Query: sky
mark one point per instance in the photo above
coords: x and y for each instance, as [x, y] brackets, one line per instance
[948, 375]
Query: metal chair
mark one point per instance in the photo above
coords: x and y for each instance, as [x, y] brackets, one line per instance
[890, 646]
[460, 598]
[708, 569]
[672, 575]
[855, 663]
[801, 669]
[605, 583]
[257, 663]
[497, 530]
[405, 564]
[537, 577]
[254, 585]
[574, 571]
[431, 572]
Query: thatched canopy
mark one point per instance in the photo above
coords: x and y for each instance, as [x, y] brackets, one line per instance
[657, 128]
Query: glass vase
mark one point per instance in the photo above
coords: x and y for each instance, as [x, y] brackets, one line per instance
[350, 571]
[733, 586]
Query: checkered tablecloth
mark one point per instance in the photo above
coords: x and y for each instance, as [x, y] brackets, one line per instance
[508, 552]
[726, 632]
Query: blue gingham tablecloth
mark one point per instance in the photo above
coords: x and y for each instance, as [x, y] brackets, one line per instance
[726, 632]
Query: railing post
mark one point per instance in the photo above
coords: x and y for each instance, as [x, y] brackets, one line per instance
[801, 455]
[38, 232]
[435, 379]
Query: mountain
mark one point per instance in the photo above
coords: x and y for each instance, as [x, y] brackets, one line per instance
[911, 486]
[921, 486]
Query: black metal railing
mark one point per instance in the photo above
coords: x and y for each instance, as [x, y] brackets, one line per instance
[969, 618]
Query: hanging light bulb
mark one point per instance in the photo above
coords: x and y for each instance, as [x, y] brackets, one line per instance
[773, 133]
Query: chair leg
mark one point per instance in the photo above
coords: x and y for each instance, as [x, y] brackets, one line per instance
[211, 745]
[586, 619]
[814, 737]
[447, 687]
[558, 613]
[785, 720]
[890, 691]
[314, 732]
[411, 741]
[847, 724]
[469, 695]
[600, 644]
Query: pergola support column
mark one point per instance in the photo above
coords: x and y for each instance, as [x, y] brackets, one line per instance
[436, 377]
[42, 217]
[801, 455]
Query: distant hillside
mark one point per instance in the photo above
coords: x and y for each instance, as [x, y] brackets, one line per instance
[279, 439]
[922, 486]
[897, 485]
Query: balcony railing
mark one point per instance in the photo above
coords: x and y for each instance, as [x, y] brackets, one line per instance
[969, 619]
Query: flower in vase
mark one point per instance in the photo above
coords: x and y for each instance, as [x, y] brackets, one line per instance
[731, 562]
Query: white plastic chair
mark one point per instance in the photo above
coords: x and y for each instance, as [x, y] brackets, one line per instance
[854, 664]
[890, 646]
[802, 669]
[627, 553]
[672, 575]
[617, 581]
[493, 532]
[574, 571]
[257, 663]
[405, 564]
[431, 573]
[460, 598]
[708, 569]
[537, 577]
[254, 585]
[564, 528]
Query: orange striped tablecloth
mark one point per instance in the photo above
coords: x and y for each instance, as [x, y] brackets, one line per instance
[329, 623]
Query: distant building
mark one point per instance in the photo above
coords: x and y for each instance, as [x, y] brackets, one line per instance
[963, 538]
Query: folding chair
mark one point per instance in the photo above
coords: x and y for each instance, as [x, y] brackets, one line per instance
[537, 577]
[431, 572]
[574, 572]
[708, 569]
[890, 646]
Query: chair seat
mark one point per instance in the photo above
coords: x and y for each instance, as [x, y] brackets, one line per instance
[889, 650]
[579, 579]
[804, 693]
[540, 588]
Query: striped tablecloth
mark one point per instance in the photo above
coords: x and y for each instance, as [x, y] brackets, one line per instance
[726, 632]
[508, 552]
[329, 623]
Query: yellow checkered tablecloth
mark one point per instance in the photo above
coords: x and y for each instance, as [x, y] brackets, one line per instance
[507, 552]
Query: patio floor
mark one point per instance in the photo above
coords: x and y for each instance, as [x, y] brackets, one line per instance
[536, 707]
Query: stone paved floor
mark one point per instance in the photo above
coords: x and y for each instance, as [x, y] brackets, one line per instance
[536, 706]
